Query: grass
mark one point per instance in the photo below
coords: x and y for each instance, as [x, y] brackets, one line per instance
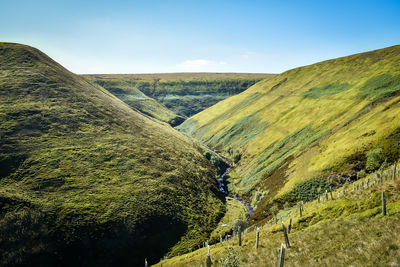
[348, 230]
[380, 87]
[320, 120]
[178, 94]
[326, 90]
[342, 242]
[235, 210]
[86, 180]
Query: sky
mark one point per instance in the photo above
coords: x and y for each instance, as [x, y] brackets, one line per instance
[149, 36]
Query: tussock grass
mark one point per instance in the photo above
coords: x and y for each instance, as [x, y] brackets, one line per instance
[235, 210]
[322, 121]
[329, 89]
[349, 230]
[86, 180]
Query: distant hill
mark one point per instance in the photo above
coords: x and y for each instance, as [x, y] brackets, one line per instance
[86, 180]
[332, 121]
[184, 94]
[128, 93]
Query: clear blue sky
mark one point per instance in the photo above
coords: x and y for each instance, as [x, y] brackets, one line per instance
[222, 36]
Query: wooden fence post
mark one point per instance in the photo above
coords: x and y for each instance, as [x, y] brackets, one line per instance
[257, 235]
[301, 209]
[281, 256]
[394, 171]
[240, 236]
[286, 235]
[290, 225]
[383, 203]
[208, 259]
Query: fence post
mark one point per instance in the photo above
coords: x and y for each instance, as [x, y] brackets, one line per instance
[301, 209]
[257, 235]
[286, 235]
[290, 225]
[394, 171]
[240, 236]
[208, 259]
[383, 203]
[281, 256]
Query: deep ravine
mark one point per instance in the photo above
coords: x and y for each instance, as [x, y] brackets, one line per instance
[224, 189]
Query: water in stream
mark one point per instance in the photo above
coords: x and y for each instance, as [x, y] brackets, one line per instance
[224, 189]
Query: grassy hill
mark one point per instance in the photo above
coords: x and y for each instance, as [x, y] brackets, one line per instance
[87, 181]
[311, 127]
[348, 230]
[185, 94]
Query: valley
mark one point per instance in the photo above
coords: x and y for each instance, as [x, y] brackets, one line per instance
[113, 169]
[173, 97]
[322, 124]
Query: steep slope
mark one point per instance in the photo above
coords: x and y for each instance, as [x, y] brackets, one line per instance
[185, 94]
[348, 230]
[86, 180]
[333, 120]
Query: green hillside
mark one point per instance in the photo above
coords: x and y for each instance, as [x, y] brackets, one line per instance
[185, 94]
[87, 181]
[348, 230]
[311, 127]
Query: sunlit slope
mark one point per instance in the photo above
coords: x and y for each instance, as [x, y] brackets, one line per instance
[185, 94]
[332, 120]
[86, 180]
[348, 230]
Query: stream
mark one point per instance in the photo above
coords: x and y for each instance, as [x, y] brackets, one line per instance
[224, 189]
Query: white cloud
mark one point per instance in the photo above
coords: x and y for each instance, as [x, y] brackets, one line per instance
[195, 63]
[222, 63]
